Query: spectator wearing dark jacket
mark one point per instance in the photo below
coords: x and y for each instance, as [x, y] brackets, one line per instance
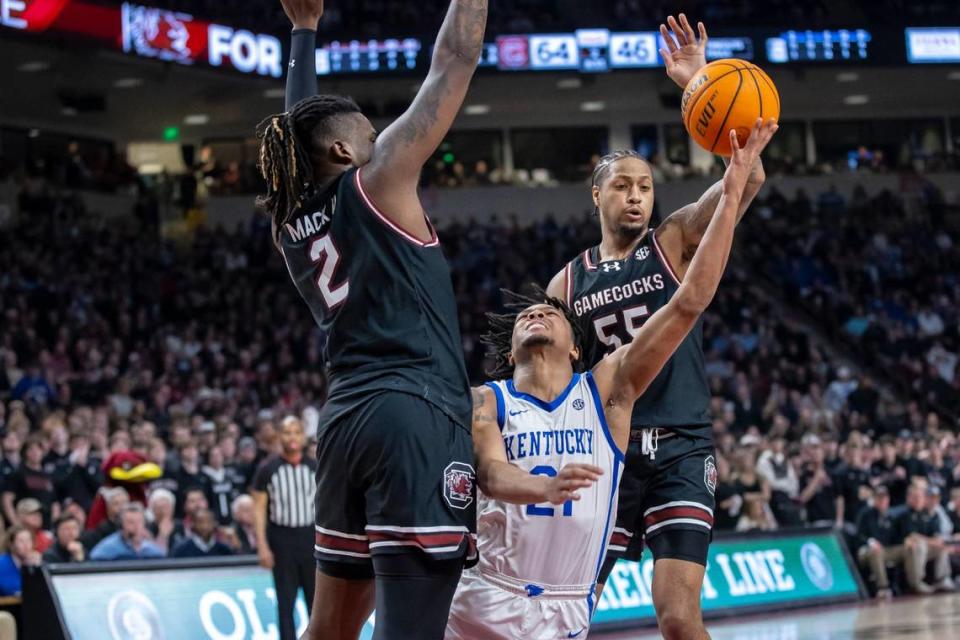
[875, 541]
[201, 542]
[67, 546]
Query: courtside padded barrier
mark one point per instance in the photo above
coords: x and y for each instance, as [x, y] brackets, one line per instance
[230, 598]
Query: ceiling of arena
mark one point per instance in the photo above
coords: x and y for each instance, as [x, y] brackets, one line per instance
[123, 98]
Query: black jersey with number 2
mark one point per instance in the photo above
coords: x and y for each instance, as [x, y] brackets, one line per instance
[383, 297]
[611, 301]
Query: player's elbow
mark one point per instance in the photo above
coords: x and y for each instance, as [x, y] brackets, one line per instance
[692, 300]
[453, 55]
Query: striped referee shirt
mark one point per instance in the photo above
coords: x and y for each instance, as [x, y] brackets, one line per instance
[290, 489]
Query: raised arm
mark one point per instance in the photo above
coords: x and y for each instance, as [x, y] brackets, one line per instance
[682, 231]
[302, 69]
[404, 147]
[626, 373]
[501, 480]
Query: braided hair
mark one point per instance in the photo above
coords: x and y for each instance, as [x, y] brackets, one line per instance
[286, 148]
[498, 338]
[605, 164]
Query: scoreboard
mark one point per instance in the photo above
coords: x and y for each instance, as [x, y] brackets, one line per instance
[182, 38]
[819, 46]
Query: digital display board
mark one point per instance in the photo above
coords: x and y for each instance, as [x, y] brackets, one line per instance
[933, 45]
[742, 573]
[183, 38]
[369, 56]
[819, 46]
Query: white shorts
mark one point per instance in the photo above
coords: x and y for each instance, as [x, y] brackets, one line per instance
[482, 611]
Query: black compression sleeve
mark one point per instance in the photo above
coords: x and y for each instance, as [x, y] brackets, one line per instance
[302, 70]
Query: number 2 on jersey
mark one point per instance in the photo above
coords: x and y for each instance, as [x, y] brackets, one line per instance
[625, 322]
[534, 510]
[324, 254]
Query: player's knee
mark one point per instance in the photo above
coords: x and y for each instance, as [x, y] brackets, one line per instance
[678, 622]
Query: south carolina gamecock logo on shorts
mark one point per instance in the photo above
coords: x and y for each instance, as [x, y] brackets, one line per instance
[458, 483]
[710, 474]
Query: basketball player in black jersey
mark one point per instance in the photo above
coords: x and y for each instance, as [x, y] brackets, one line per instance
[395, 501]
[670, 475]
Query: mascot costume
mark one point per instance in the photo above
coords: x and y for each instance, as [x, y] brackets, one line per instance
[123, 469]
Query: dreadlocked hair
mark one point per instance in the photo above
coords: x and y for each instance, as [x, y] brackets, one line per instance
[498, 338]
[285, 151]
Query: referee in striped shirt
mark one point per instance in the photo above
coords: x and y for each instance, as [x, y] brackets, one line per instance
[283, 489]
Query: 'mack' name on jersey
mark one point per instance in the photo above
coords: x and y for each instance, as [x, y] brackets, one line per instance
[383, 298]
[611, 301]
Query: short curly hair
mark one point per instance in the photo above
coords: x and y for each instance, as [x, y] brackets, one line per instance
[498, 338]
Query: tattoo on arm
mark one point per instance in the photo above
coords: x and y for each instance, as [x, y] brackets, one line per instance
[481, 412]
[463, 30]
[424, 116]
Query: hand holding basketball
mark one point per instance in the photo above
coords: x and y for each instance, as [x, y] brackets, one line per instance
[743, 158]
[683, 54]
[724, 95]
[572, 477]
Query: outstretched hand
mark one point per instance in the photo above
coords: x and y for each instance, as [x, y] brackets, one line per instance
[564, 485]
[743, 158]
[303, 14]
[683, 55]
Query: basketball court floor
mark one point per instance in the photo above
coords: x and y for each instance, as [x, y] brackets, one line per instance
[914, 618]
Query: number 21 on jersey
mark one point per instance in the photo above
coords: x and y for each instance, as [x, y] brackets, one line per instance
[534, 510]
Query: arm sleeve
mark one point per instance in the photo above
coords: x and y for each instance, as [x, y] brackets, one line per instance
[302, 70]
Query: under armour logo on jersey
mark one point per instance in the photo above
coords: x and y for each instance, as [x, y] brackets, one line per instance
[611, 266]
[642, 253]
[578, 404]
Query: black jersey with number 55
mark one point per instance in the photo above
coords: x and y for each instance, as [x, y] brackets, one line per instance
[611, 301]
[383, 297]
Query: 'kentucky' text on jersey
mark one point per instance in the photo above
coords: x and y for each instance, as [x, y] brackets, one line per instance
[384, 299]
[611, 301]
[539, 562]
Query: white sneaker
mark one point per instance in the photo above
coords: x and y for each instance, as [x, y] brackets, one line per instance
[946, 584]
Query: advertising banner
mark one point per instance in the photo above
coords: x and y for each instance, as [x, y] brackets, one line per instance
[755, 572]
[219, 603]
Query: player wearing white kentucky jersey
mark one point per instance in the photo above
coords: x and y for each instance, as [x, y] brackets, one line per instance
[550, 440]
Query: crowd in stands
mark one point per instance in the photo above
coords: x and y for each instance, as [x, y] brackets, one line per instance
[116, 342]
[880, 272]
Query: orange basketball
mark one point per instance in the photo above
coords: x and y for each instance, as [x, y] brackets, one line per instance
[727, 94]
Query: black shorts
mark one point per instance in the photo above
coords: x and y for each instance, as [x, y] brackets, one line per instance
[394, 476]
[673, 491]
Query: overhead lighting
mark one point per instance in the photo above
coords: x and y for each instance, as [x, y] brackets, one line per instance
[569, 83]
[476, 109]
[593, 106]
[68, 111]
[34, 66]
[848, 76]
[127, 83]
[953, 75]
[196, 119]
[856, 100]
[276, 92]
[33, 133]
